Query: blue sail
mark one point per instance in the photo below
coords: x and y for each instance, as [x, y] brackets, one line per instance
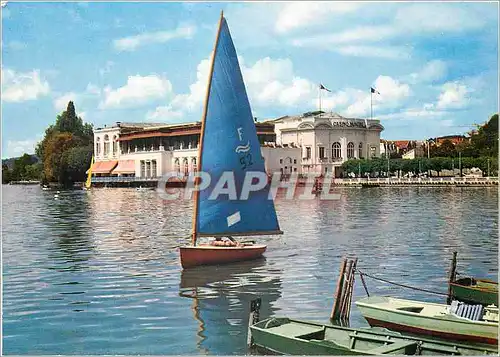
[230, 143]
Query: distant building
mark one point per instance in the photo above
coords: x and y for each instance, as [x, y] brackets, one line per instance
[455, 139]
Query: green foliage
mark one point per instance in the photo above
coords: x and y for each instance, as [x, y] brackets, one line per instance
[420, 165]
[25, 168]
[67, 144]
[75, 162]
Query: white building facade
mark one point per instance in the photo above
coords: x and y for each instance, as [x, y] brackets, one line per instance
[326, 140]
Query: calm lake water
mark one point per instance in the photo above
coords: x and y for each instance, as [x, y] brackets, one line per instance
[98, 272]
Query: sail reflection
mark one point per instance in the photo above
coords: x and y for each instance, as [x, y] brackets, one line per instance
[221, 301]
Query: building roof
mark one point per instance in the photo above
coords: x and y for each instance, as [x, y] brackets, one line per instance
[180, 129]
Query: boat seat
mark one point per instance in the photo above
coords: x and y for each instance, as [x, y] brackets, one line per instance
[471, 312]
[296, 330]
[393, 347]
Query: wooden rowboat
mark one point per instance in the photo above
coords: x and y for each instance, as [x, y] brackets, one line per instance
[294, 337]
[437, 320]
[479, 291]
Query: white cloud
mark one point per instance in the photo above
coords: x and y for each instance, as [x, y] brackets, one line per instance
[453, 95]
[358, 34]
[16, 45]
[138, 90]
[61, 103]
[20, 87]
[432, 71]
[92, 89]
[165, 113]
[307, 13]
[197, 91]
[388, 52]
[392, 95]
[107, 68]
[133, 42]
[437, 18]
[16, 148]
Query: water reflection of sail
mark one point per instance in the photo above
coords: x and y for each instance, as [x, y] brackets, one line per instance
[221, 299]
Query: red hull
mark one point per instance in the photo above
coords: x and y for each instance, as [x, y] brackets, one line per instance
[210, 255]
[419, 331]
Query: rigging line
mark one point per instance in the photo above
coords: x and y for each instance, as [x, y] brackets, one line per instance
[402, 285]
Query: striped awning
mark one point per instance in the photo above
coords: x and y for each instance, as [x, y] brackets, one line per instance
[103, 167]
[125, 167]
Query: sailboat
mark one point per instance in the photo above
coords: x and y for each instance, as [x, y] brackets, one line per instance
[228, 143]
[88, 183]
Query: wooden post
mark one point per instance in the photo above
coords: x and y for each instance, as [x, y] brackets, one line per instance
[336, 298]
[345, 284]
[253, 319]
[453, 273]
[351, 287]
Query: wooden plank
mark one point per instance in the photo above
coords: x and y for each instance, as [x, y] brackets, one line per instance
[336, 298]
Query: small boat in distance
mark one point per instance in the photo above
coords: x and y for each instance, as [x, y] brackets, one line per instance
[470, 323]
[88, 183]
[477, 291]
[294, 337]
[228, 144]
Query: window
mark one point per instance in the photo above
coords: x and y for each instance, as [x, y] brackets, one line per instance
[143, 168]
[336, 150]
[193, 163]
[294, 161]
[321, 152]
[308, 152]
[177, 165]
[186, 166]
[294, 169]
[360, 150]
[281, 161]
[115, 145]
[350, 150]
[106, 145]
[153, 169]
[98, 147]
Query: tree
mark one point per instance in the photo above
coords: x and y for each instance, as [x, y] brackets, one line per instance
[54, 148]
[66, 144]
[6, 174]
[75, 163]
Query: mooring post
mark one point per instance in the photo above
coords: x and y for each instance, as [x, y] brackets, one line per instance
[253, 318]
[351, 287]
[345, 292]
[336, 298]
[453, 273]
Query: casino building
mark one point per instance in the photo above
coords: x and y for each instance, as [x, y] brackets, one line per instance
[310, 142]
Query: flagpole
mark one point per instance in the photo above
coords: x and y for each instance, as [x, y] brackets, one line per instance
[319, 94]
[371, 104]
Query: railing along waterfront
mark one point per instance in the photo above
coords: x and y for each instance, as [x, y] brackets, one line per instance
[419, 181]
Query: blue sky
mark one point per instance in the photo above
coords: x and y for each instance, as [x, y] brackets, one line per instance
[435, 64]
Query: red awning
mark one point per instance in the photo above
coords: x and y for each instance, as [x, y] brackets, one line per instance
[103, 167]
[125, 167]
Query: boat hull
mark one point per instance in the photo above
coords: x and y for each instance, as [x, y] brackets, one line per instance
[482, 292]
[192, 256]
[295, 337]
[438, 324]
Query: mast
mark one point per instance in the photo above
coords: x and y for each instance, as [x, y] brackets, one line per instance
[200, 148]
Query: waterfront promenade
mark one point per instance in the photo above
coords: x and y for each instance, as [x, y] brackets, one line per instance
[432, 181]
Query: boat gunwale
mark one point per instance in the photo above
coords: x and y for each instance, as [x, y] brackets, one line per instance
[214, 247]
[475, 288]
[435, 317]
[390, 333]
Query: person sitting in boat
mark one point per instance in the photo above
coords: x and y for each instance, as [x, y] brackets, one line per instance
[230, 243]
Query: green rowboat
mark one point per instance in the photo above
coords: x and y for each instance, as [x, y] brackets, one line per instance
[479, 291]
[436, 320]
[294, 337]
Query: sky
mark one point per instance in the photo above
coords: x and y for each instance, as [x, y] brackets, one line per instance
[435, 65]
